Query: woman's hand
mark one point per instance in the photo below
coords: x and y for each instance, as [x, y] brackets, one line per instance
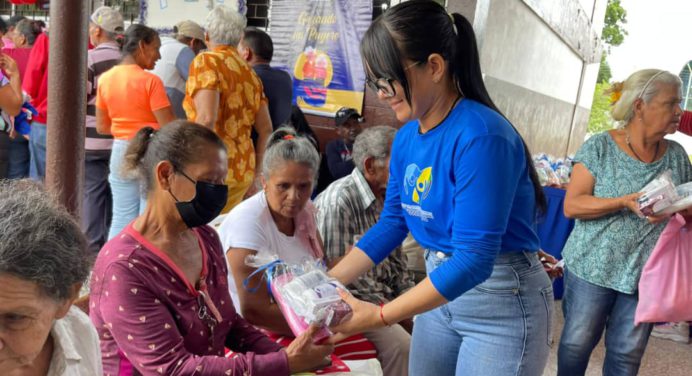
[630, 202]
[9, 65]
[304, 355]
[654, 219]
[366, 316]
[549, 263]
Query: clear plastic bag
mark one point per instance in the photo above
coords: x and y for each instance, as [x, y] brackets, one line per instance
[305, 293]
[659, 194]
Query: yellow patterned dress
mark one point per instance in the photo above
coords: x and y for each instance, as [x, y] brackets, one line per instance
[240, 97]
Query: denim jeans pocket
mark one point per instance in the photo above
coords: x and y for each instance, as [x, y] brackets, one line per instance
[547, 294]
[502, 281]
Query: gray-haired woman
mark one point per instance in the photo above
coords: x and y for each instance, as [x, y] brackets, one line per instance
[43, 262]
[610, 243]
[277, 221]
[224, 94]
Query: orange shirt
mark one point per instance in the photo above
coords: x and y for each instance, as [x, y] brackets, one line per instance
[241, 95]
[130, 95]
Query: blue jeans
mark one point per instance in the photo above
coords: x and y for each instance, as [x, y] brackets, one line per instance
[37, 150]
[502, 327]
[96, 210]
[20, 157]
[588, 310]
[128, 202]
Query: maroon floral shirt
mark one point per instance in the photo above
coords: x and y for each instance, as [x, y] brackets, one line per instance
[148, 315]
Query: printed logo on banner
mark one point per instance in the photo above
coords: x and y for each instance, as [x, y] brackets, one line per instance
[314, 68]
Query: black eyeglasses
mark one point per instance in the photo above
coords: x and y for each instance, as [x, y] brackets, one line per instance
[385, 85]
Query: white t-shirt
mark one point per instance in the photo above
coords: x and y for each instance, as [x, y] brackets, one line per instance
[76, 348]
[250, 226]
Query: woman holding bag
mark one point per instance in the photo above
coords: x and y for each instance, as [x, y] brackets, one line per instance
[462, 182]
[611, 241]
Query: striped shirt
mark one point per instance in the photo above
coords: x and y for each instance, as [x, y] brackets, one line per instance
[346, 209]
[100, 59]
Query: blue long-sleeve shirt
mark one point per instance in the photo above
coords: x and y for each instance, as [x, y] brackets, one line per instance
[462, 188]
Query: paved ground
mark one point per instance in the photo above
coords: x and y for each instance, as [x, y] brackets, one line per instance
[662, 357]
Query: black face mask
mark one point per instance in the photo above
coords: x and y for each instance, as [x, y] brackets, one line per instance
[207, 204]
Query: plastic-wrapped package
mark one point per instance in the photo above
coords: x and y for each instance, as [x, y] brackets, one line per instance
[658, 195]
[305, 294]
[552, 171]
[562, 170]
[547, 173]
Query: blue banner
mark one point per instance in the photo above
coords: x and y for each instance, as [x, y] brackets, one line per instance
[318, 43]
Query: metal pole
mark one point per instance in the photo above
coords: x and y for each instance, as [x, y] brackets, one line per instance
[67, 101]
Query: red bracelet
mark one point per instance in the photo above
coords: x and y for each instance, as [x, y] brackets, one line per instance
[382, 315]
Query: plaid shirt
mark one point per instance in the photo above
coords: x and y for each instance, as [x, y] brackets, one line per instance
[348, 208]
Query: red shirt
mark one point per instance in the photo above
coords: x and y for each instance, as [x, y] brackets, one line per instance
[35, 81]
[21, 56]
[686, 123]
[143, 306]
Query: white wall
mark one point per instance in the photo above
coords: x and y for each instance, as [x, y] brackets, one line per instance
[521, 49]
[163, 14]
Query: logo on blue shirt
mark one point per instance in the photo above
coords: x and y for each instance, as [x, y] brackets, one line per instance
[418, 182]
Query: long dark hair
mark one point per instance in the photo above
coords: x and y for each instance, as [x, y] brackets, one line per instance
[418, 28]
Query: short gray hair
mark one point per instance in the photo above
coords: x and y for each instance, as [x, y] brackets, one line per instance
[225, 26]
[644, 84]
[285, 145]
[374, 142]
[39, 241]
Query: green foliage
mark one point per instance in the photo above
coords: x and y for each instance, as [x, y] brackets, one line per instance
[614, 33]
[600, 119]
[604, 73]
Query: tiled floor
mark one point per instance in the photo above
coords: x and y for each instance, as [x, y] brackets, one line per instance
[662, 357]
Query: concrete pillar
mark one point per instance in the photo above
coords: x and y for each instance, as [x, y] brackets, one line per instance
[67, 73]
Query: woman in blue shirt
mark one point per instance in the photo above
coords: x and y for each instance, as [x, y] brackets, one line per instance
[462, 182]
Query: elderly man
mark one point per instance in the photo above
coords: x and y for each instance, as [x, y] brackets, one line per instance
[257, 49]
[224, 94]
[346, 210]
[43, 262]
[177, 53]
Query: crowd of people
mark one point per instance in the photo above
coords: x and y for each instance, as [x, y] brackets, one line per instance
[187, 129]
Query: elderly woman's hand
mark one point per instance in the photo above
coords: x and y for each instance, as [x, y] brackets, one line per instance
[654, 219]
[630, 202]
[304, 355]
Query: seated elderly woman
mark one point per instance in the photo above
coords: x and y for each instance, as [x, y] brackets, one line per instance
[611, 241]
[278, 221]
[159, 297]
[43, 262]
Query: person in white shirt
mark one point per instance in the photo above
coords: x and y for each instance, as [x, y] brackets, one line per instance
[43, 262]
[278, 221]
[177, 52]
